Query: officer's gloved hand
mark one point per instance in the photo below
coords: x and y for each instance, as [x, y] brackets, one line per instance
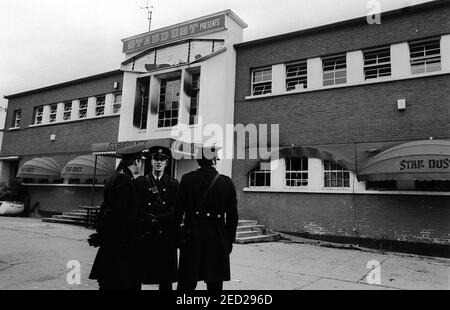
[94, 240]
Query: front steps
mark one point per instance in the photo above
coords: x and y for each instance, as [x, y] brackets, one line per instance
[248, 231]
[75, 217]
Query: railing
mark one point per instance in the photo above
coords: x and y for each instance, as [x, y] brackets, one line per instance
[91, 215]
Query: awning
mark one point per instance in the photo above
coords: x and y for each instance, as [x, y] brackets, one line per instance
[420, 160]
[40, 168]
[178, 148]
[82, 167]
[311, 152]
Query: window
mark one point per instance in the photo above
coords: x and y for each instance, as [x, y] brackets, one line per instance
[334, 70]
[100, 106]
[82, 112]
[435, 185]
[17, 118]
[425, 56]
[141, 103]
[38, 115]
[336, 176]
[260, 176]
[261, 81]
[169, 102]
[377, 63]
[296, 172]
[193, 110]
[296, 76]
[67, 110]
[117, 103]
[53, 111]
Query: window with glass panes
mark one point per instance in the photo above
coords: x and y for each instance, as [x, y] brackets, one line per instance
[377, 62]
[193, 110]
[82, 110]
[100, 106]
[296, 172]
[260, 176]
[38, 115]
[425, 55]
[67, 110]
[262, 81]
[53, 111]
[296, 76]
[117, 103]
[17, 118]
[334, 70]
[335, 176]
[169, 101]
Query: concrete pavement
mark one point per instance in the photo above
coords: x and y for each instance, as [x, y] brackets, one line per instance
[34, 255]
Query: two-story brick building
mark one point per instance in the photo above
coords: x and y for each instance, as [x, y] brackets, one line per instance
[48, 137]
[364, 115]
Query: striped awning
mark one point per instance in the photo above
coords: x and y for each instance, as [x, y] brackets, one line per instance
[82, 167]
[40, 168]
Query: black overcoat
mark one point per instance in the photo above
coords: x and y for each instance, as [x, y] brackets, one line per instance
[119, 226]
[211, 228]
[160, 252]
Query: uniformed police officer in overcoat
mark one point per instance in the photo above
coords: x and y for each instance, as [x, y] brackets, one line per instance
[207, 202]
[157, 193]
[119, 229]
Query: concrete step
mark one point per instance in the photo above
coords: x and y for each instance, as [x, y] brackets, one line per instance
[247, 223]
[250, 228]
[75, 214]
[79, 211]
[257, 239]
[70, 217]
[63, 221]
[246, 234]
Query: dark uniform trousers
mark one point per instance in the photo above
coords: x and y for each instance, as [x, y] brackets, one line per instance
[157, 200]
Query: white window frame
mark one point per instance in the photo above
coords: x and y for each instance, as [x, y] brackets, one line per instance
[172, 119]
[100, 105]
[117, 104]
[299, 183]
[339, 170]
[67, 110]
[38, 115]
[262, 169]
[426, 59]
[299, 78]
[82, 111]
[332, 65]
[261, 79]
[375, 60]
[53, 108]
[17, 118]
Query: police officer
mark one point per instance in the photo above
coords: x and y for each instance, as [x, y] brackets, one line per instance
[157, 193]
[207, 202]
[116, 266]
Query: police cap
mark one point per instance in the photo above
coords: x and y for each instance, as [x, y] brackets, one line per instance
[131, 152]
[159, 152]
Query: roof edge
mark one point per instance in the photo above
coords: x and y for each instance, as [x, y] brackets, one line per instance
[348, 22]
[79, 80]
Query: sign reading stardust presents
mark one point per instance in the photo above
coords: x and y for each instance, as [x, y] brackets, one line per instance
[174, 33]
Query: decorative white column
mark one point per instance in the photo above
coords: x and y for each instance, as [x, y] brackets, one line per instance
[60, 112]
[109, 101]
[315, 174]
[315, 78]
[445, 52]
[185, 100]
[278, 79]
[400, 60]
[355, 67]
[75, 109]
[91, 107]
[277, 180]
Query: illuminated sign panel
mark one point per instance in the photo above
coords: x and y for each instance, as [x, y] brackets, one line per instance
[174, 33]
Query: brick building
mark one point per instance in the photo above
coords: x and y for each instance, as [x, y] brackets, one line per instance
[364, 143]
[48, 137]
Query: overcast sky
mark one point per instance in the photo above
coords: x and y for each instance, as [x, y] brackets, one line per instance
[44, 42]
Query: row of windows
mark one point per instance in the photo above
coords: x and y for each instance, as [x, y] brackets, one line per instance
[297, 175]
[425, 56]
[38, 113]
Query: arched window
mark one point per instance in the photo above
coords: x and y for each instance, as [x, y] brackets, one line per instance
[296, 172]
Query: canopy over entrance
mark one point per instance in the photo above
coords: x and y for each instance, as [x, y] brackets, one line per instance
[83, 167]
[40, 168]
[425, 160]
